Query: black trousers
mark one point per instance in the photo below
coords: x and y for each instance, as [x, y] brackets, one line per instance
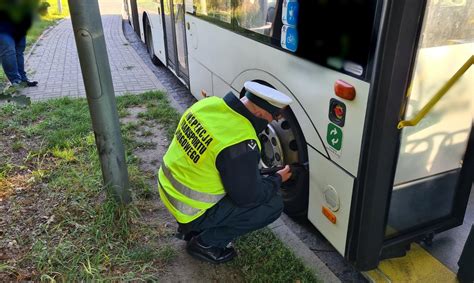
[225, 221]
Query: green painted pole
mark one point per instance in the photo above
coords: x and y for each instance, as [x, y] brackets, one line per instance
[90, 42]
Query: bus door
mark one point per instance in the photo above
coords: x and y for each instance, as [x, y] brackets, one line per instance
[416, 173]
[432, 152]
[177, 56]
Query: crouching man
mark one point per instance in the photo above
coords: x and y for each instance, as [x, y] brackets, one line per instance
[209, 178]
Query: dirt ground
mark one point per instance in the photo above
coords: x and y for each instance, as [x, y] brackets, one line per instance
[184, 268]
[23, 206]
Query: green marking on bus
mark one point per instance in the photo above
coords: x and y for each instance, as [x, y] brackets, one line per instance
[334, 136]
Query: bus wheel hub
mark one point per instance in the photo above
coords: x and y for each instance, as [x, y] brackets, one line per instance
[272, 152]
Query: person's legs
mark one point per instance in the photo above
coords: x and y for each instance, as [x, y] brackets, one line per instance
[225, 221]
[9, 58]
[20, 46]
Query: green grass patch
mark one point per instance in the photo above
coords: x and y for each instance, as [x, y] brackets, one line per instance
[83, 235]
[64, 120]
[264, 258]
[17, 145]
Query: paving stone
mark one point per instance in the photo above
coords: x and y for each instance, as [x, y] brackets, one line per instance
[178, 93]
[55, 64]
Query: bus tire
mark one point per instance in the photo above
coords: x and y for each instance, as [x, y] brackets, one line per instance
[149, 43]
[282, 143]
[295, 191]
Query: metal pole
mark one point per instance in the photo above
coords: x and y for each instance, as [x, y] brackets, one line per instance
[90, 42]
[60, 7]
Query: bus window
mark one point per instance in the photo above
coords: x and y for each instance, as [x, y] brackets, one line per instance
[337, 33]
[256, 15]
[220, 10]
[460, 16]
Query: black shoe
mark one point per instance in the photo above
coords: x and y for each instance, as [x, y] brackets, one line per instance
[208, 253]
[30, 83]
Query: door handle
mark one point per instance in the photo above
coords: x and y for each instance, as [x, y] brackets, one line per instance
[439, 94]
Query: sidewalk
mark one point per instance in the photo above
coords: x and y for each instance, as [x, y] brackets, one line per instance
[54, 63]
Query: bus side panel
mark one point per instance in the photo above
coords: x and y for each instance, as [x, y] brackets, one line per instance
[324, 180]
[156, 22]
[126, 14]
[218, 50]
[200, 80]
[132, 16]
[230, 56]
[151, 8]
[220, 87]
[303, 120]
[141, 4]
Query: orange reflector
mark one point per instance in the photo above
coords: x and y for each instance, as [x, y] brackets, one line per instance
[344, 90]
[329, 215]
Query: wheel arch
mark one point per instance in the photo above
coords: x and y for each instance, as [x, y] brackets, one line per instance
[295, 192]
[300, 113]
[143, 23]
[144, 19]
[289, 113]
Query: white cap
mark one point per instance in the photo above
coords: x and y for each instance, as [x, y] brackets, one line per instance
[270, 95]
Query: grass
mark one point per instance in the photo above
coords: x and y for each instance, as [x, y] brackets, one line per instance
[80, 234]
[264, 258]
[39, 26]
[84, 235]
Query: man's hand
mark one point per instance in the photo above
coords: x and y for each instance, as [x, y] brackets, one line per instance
[285, 173]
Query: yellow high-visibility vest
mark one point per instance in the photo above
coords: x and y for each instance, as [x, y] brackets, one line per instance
[188, 180]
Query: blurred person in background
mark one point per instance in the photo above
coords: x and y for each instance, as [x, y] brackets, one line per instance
[16, 18]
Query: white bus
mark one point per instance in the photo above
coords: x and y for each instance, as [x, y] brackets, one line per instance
[355, 69]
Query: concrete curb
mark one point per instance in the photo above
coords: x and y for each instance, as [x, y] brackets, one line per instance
[174, 103]
[311, 261]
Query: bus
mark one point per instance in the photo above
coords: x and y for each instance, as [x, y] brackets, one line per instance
[358, 72]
